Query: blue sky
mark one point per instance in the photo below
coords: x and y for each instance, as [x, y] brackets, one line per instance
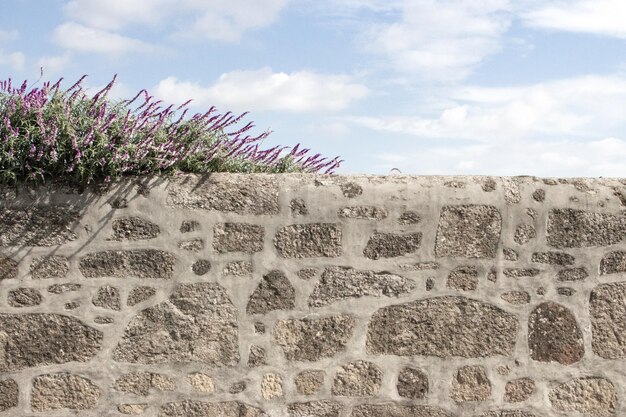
[498, 87]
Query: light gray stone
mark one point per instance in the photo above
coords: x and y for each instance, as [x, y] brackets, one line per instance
[134, 228]
[140, 263]
[108, 297]
[309, 240]
[321, 408]
[62, 390]
[607, 308]
[191, 408]
[464, 278]
[139, 295]
[9, 394]
[142, 383]
[238, 237]
[363, 212]
[357, 379]
[398, 410]
[470, 384]
[591, 396]
[468, 231]
[412, 383]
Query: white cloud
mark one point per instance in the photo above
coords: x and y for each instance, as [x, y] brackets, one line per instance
[266, 90]
[8, 35]
[80, 38]
[54, 64]
[602, 17]
[15, 60]
[117, 14]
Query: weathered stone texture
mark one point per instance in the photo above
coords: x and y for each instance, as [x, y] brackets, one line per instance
[141, 383]
[339, 283]
[607, 308]
[239, 193]
[256, 356]
[464, 278]
[238, 268]
[134, 228]
[237, 387]
[398, 410]
[391, 245]
[572, 274]
[442, 326]
[190, 408]
[315, 409]
[553, 258]
[468, 231]
[8, 268]
[590, 396]
[519, 390]
[238, 237]
[570, 228]
[63, 288]
[140, 263]
[509, 254]
[313, 339]
[189, 226]
[139, 295]
[470, 384]
[30, 340]
[351, 189]
[565, 291]
[412, 383]
[524, 233]
[201, 267]
[409, 217]
[274, 292]
[521, 272]
[132, 409]
[9, 394]
[363, 212]
[307, 273]
[108, 297]
[613, 263]
[516, 297]
[357, 379]
[554, 335]
[309, 240]
[24, 297]
[271, 386]
[201, 382]
[191, 245]
[197, 324]
[298, 207]
[37, 226]
[63, 391]
[509, 413]
[53, 266]
[309, 382]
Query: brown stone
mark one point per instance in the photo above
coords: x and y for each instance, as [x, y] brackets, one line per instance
[140, 383]
[201, 267]
[31, 340]
[357, 379]
[132, 409]
[554, 335]
[351, 189]
[313, 339]
[340, 283]
[565, 291]
[191, 408]
[509, 254]
[572, 274]
[607, 308]
[274, 292]
[63, 391]
[590, 396]
[519, 390]
[363, 212]
[24, 297]
[613, 263]
[468, 231]
[412, 383]
[509, 413]
[134, 228]
[539, 195]
[307, 273]
[239, 193]
[391, 245]
[256, 356]
[9, 394]
[570, 228]
[470, 384]
[197, 324]
[398, 410]
[189, 226]
[8, 268]
[321, 408]
[309, 240]
[238, 237]
[409, 217]
[140, 263]
[201, 382]
[37, 226]
[553, 258]
[524, 233]
[139, 295]
[309, 382]
[298, 207]
[49, 267]
[516, 297]
[443, 327]
[464, 278]
[108, 297]
[63, 288]
[271, 386]
[238, 268]
[488, 185]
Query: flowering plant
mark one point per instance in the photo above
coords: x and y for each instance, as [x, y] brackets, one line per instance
[50, 133]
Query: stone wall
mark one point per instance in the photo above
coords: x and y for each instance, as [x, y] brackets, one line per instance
[315, 296]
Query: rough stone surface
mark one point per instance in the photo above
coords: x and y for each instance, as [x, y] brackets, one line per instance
[239, 193]
[9, 394]
[201, 267]
[509, 254]
[572, 274]
[191, 408]
[464, 278]
[309, 382]
[134, 228]
[516, 297]
[315, 409]
[139, 295]
[271, 386]
[607, 308]
[37, 226]
[142, 383]
[197, 324]
[442, 326]
[554, 335]
[8, 268]
[63, 288]
[307, 273]
[553, 258]
[50, 339]
[521, 272]
[393, 410]
[351, 189]
[309, 240]
[468, 231]
[49, 267]
[412, 383]
[298, 207]
[363, 212]
[539, 195]
[313, 339]
[524, 233]
[191, 245]
[24, 297]
[189, 226]
[339, 283]
[238, 268]
[103, 320]
[63, 391]
[108, 297]
[274, 292]
[613, 263]
[238, 237]
[237, 387]
[470, 384]
[591, 396]
[565, 291]
[409, 217]
[519, 390]
[140, 263]
[357, 379]
[256, 356]
[132, 409]
[570, 228]
[509, 413]
[201, 382]
[391, 245]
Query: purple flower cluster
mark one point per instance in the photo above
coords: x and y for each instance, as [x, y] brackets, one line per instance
[48, 132]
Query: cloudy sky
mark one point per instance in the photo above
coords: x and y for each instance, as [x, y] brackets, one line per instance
[520, 87]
